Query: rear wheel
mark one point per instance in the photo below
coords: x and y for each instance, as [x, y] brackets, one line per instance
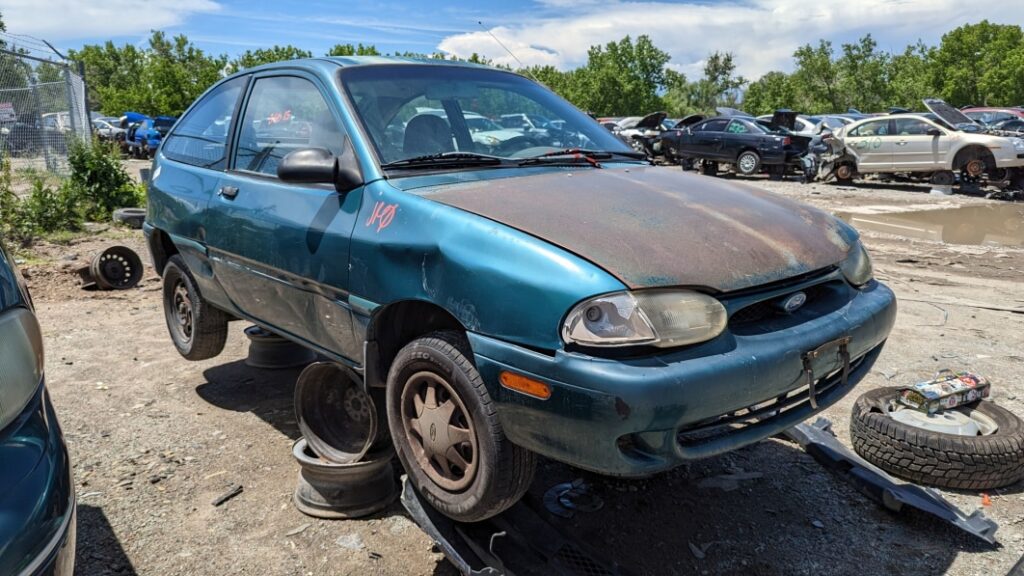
[446, 431]
[197, 329]
[748, 163]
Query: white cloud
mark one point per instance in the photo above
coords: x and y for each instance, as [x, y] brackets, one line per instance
[762, 34]
[60, 20]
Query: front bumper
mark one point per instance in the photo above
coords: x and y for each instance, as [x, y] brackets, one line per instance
[640, 416]
[37, 496]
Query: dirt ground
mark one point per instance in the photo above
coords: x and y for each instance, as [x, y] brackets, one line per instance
[155, 439]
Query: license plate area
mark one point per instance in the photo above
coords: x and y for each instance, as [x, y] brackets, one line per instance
[829, 358]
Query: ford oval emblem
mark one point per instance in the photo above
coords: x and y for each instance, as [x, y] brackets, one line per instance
[794, 301]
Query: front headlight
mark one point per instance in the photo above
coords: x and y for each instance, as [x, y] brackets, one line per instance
[21, 360]
[1018, 144]
[662, 318]
[857, 266]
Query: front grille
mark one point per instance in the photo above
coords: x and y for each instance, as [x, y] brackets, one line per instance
[764, 309]
[733, 422]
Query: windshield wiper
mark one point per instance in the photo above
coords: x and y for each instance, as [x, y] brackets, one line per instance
[446, 159]
[577, 156]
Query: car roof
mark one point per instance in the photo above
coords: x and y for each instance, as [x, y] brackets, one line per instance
[354, 61]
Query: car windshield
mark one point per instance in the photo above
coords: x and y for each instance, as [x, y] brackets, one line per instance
[162, 125]
[414, 110]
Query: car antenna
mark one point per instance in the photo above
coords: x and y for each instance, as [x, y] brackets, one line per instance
[514, 57]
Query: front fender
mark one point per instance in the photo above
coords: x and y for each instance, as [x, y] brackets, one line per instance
[495, 280]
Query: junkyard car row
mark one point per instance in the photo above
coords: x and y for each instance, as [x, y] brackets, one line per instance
[942, 146]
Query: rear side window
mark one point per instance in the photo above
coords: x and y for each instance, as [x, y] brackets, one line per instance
[737, 127]
[284, 114]
[200, 139]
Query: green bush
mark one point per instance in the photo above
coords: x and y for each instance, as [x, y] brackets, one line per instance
[99, 183]
[48, 209]
[45, 209]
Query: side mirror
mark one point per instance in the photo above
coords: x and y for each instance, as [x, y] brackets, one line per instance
[934, 132]
[320, 166]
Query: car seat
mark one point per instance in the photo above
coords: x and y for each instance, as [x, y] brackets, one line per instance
[427, 134]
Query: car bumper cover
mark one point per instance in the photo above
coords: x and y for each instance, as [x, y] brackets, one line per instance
[640, 416]
[37, 497]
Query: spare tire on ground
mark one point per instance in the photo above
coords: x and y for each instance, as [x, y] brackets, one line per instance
[132, 217]
[992, 459]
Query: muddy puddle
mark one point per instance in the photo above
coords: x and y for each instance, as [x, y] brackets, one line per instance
[996, 225]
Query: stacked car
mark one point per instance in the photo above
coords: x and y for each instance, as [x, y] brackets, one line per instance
[143, 134]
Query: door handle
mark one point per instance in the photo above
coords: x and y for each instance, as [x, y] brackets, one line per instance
[228, 192]
[901, 143]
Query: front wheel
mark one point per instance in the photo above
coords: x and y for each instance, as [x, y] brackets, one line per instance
[446, 431]
[197, 329]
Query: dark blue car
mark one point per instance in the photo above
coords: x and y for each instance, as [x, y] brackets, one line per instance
[37, 495]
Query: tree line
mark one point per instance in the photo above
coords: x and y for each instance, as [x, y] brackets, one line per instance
[979, 64]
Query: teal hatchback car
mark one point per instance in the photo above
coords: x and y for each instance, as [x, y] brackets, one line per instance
[511, 291]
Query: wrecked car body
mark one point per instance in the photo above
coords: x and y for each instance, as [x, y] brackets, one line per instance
[642, 133]
[575, 303]
[735, 140]
[935, 146]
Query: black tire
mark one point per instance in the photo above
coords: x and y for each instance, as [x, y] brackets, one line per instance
[748, 163]
[502, 471]
[202, 334]
[934, 458]
[707, 167]
[131, 217]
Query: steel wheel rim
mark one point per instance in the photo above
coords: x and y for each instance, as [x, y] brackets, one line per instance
[844, 172]
[986, 425]
[747, 163]
[439, 431]
[181, 311]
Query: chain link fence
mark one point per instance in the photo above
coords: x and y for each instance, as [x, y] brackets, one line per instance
[43, 111]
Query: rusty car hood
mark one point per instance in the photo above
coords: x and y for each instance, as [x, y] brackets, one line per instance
[660, 227]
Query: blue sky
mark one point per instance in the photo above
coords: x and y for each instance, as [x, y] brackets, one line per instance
[761, 33]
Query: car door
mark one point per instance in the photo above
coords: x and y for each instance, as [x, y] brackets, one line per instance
[190, 166]
[281, 250]
[919, 146]
[871, 144]
[706, 139]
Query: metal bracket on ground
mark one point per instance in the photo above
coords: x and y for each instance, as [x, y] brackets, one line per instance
[818, 440]
[517, 542]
